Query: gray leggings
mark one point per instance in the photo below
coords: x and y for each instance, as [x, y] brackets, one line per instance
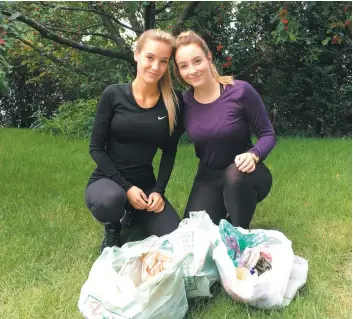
[107, 202]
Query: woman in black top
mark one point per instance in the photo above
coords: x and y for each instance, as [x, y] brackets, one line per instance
[132, 121]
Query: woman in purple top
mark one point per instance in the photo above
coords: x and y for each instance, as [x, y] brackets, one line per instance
[220, 114]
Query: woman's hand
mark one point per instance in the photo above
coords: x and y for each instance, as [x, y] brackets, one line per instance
[155, 203]
[246, 162]
[137, 198]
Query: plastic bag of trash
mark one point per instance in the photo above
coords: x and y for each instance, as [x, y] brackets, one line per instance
[237, 239]
[135, 281]
[194, 236]
[261, 274]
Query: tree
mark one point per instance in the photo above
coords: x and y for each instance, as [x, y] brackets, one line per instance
[298, 55]
[110, 26]
[61, 37]
[80, 46]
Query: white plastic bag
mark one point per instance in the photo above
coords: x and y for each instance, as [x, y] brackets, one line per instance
[297, 279]
[111, 293]
[267, 290]
[194, 236]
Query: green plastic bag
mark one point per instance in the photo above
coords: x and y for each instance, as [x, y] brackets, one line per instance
[236, 239]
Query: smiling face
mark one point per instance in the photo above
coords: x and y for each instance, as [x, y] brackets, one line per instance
[193, 65]
[152, 60]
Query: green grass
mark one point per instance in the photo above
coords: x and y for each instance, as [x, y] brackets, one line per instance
[49, 239]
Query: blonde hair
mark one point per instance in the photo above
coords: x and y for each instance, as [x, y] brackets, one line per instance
[165, 83]
[190, 37]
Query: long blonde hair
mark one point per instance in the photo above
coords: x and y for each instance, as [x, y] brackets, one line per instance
[190, 37]
[165, 83]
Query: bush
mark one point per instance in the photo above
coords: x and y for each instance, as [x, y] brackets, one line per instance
[73, 119]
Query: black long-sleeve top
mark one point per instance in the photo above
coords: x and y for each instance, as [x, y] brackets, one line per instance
[125, 139]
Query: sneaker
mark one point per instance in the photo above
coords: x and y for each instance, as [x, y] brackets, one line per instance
[126, 221]
[111, 235]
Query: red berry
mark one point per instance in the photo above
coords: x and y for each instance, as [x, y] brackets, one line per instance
[229, 58]
[219, 47]
[286, 27]
[2, 42]
[347, 23]
[283, 12]
[285, 21]
[226, 65]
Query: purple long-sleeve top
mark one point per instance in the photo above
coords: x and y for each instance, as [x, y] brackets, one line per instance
[220, 130]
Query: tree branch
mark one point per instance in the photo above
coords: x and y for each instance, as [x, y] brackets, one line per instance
[53, 58]
[127, 56]
[169, 3]
[114, 33]
[166, 19]
[185, 15]
[82, 33]
[134, 22]
[149, 14]
[96, 12]
[91, 26]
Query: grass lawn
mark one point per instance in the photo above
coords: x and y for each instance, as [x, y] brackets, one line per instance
[49, 239]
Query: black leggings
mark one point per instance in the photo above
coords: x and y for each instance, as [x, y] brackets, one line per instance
[107, 201]
[222, 191]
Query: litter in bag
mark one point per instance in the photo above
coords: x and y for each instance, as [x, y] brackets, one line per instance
[135, 282]
[257, 269]
[194, 236]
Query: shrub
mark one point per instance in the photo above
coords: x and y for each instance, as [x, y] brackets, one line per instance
[73, 119]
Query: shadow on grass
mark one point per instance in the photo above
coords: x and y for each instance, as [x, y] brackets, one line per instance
[203, 303]
[135, 233]
[198, 305]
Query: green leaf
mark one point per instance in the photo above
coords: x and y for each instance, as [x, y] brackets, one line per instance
[274, 18]
[283, 34]
[295, 24]
[4, 62]
[292, 36]
[280, 26]
[325, 42]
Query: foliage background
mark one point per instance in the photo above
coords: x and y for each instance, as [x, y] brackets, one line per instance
[298, 56]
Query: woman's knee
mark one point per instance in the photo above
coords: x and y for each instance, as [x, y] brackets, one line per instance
[233, 177]
[106, 205]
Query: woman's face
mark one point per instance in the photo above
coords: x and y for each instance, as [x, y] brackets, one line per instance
[152, 60]
[193, 65]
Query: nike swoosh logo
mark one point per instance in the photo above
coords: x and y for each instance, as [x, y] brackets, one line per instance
[161, 117]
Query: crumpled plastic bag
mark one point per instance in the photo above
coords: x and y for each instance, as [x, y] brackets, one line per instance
[271, 289]
[194, 236]
[135, 282]
[238, 239]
